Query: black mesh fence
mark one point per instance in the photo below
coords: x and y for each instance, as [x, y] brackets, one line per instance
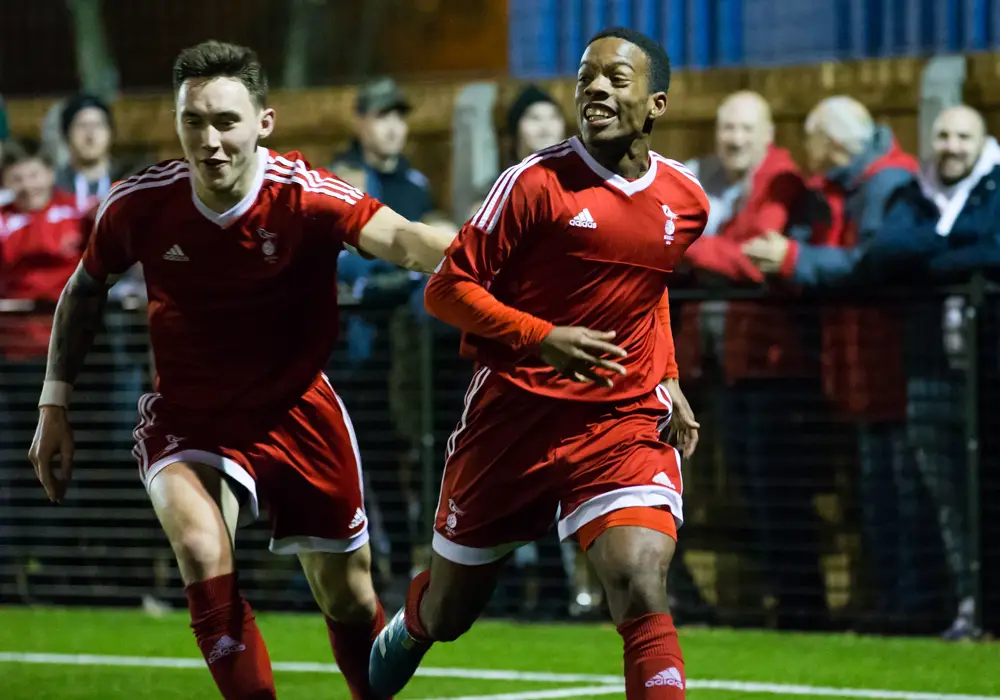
[847, 477]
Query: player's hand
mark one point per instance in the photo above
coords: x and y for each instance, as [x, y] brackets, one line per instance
[579, 354]
[53, 437]
[683, 433]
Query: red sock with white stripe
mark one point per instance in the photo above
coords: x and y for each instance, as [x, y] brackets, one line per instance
[228, 637]
[654, 665]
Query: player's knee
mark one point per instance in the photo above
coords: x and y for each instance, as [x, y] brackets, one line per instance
[202, 554]
[634, 569]
[341, 585]
[447, 618]
[444, 627]
[347, 603]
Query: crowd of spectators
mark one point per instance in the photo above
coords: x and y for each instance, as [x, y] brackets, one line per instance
[787, 382]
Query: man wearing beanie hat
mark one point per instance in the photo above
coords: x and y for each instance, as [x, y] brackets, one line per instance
[534, 121]
[87, 127]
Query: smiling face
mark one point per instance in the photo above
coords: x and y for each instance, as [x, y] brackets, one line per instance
[959, 135]
[219, 126]
[613, 100]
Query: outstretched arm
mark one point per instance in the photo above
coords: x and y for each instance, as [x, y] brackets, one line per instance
[409, 244]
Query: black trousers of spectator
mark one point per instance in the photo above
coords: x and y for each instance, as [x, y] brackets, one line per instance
[774, 444]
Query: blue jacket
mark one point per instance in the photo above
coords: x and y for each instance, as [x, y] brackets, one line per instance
[908, 243]
[908, 250]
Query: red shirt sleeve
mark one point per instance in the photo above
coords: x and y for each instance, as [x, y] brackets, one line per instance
[109, 249]
[663, 316]
[458, 292]
[334, 205]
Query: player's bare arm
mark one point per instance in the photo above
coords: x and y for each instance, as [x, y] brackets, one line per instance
[405, 243]
[77, 318]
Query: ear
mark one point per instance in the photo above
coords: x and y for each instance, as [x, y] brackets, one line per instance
[266, 123]
[657, 105]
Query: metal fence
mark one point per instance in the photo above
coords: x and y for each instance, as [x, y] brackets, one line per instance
[847, 477]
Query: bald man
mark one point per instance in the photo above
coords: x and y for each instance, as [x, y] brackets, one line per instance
[943, 227]
[769, 384]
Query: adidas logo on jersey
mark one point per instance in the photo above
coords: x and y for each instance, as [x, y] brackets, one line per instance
[358, 520]
[583, 219]
[668, 677]
[175, 254]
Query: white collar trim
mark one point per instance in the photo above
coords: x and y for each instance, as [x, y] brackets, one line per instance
[629, 187]
[240, 208]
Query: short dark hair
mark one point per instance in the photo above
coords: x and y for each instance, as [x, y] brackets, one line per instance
[659, 61]
[18, 151]
[217, 59]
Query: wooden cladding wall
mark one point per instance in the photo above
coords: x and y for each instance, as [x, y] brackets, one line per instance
[343, 40]
[318, 122]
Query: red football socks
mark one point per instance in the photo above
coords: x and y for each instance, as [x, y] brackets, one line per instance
[351, 645]
[654, 666]
[418, 586]
[229, 640]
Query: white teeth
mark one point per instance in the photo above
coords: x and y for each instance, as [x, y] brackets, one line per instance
[597, 113]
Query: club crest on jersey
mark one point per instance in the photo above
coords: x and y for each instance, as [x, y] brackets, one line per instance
[268, 247]
[669, 227]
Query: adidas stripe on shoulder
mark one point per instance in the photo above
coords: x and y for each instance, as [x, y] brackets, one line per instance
[489, 213]
[159, 175]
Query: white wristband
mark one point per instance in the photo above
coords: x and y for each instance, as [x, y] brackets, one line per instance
[55, 393]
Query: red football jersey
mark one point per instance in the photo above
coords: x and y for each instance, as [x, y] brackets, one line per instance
[566, 240]
[243, 304]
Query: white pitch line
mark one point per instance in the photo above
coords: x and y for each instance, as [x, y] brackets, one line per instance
[609, 684]
[587, 692]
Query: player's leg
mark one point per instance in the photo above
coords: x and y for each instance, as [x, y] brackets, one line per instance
[342, 587]
[632, 563]
[310, 471]
[623, 501]
[442, 604]
[495, 494]
[198, 509]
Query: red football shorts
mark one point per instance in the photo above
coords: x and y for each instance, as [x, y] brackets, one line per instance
[300, 466]
[518, 461]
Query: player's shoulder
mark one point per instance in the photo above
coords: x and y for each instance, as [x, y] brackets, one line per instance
[291, 173]
[679, 181]
[149, 185]
[537, 170]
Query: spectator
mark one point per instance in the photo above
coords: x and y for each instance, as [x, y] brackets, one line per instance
[771, 393]
[944, 225]
[375, 164]
[88, 130]
[534, 121]
[857, 167]
[40, 245]
[382, 130]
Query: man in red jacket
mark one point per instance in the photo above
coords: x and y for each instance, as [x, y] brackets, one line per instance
[858, 167]
[771, 387]
[41, 241]
[40, 246]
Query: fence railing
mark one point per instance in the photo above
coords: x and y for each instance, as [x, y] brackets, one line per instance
[848, 474]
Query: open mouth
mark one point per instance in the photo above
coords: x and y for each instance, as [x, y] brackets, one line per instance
[214, 163]
[598, 115]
